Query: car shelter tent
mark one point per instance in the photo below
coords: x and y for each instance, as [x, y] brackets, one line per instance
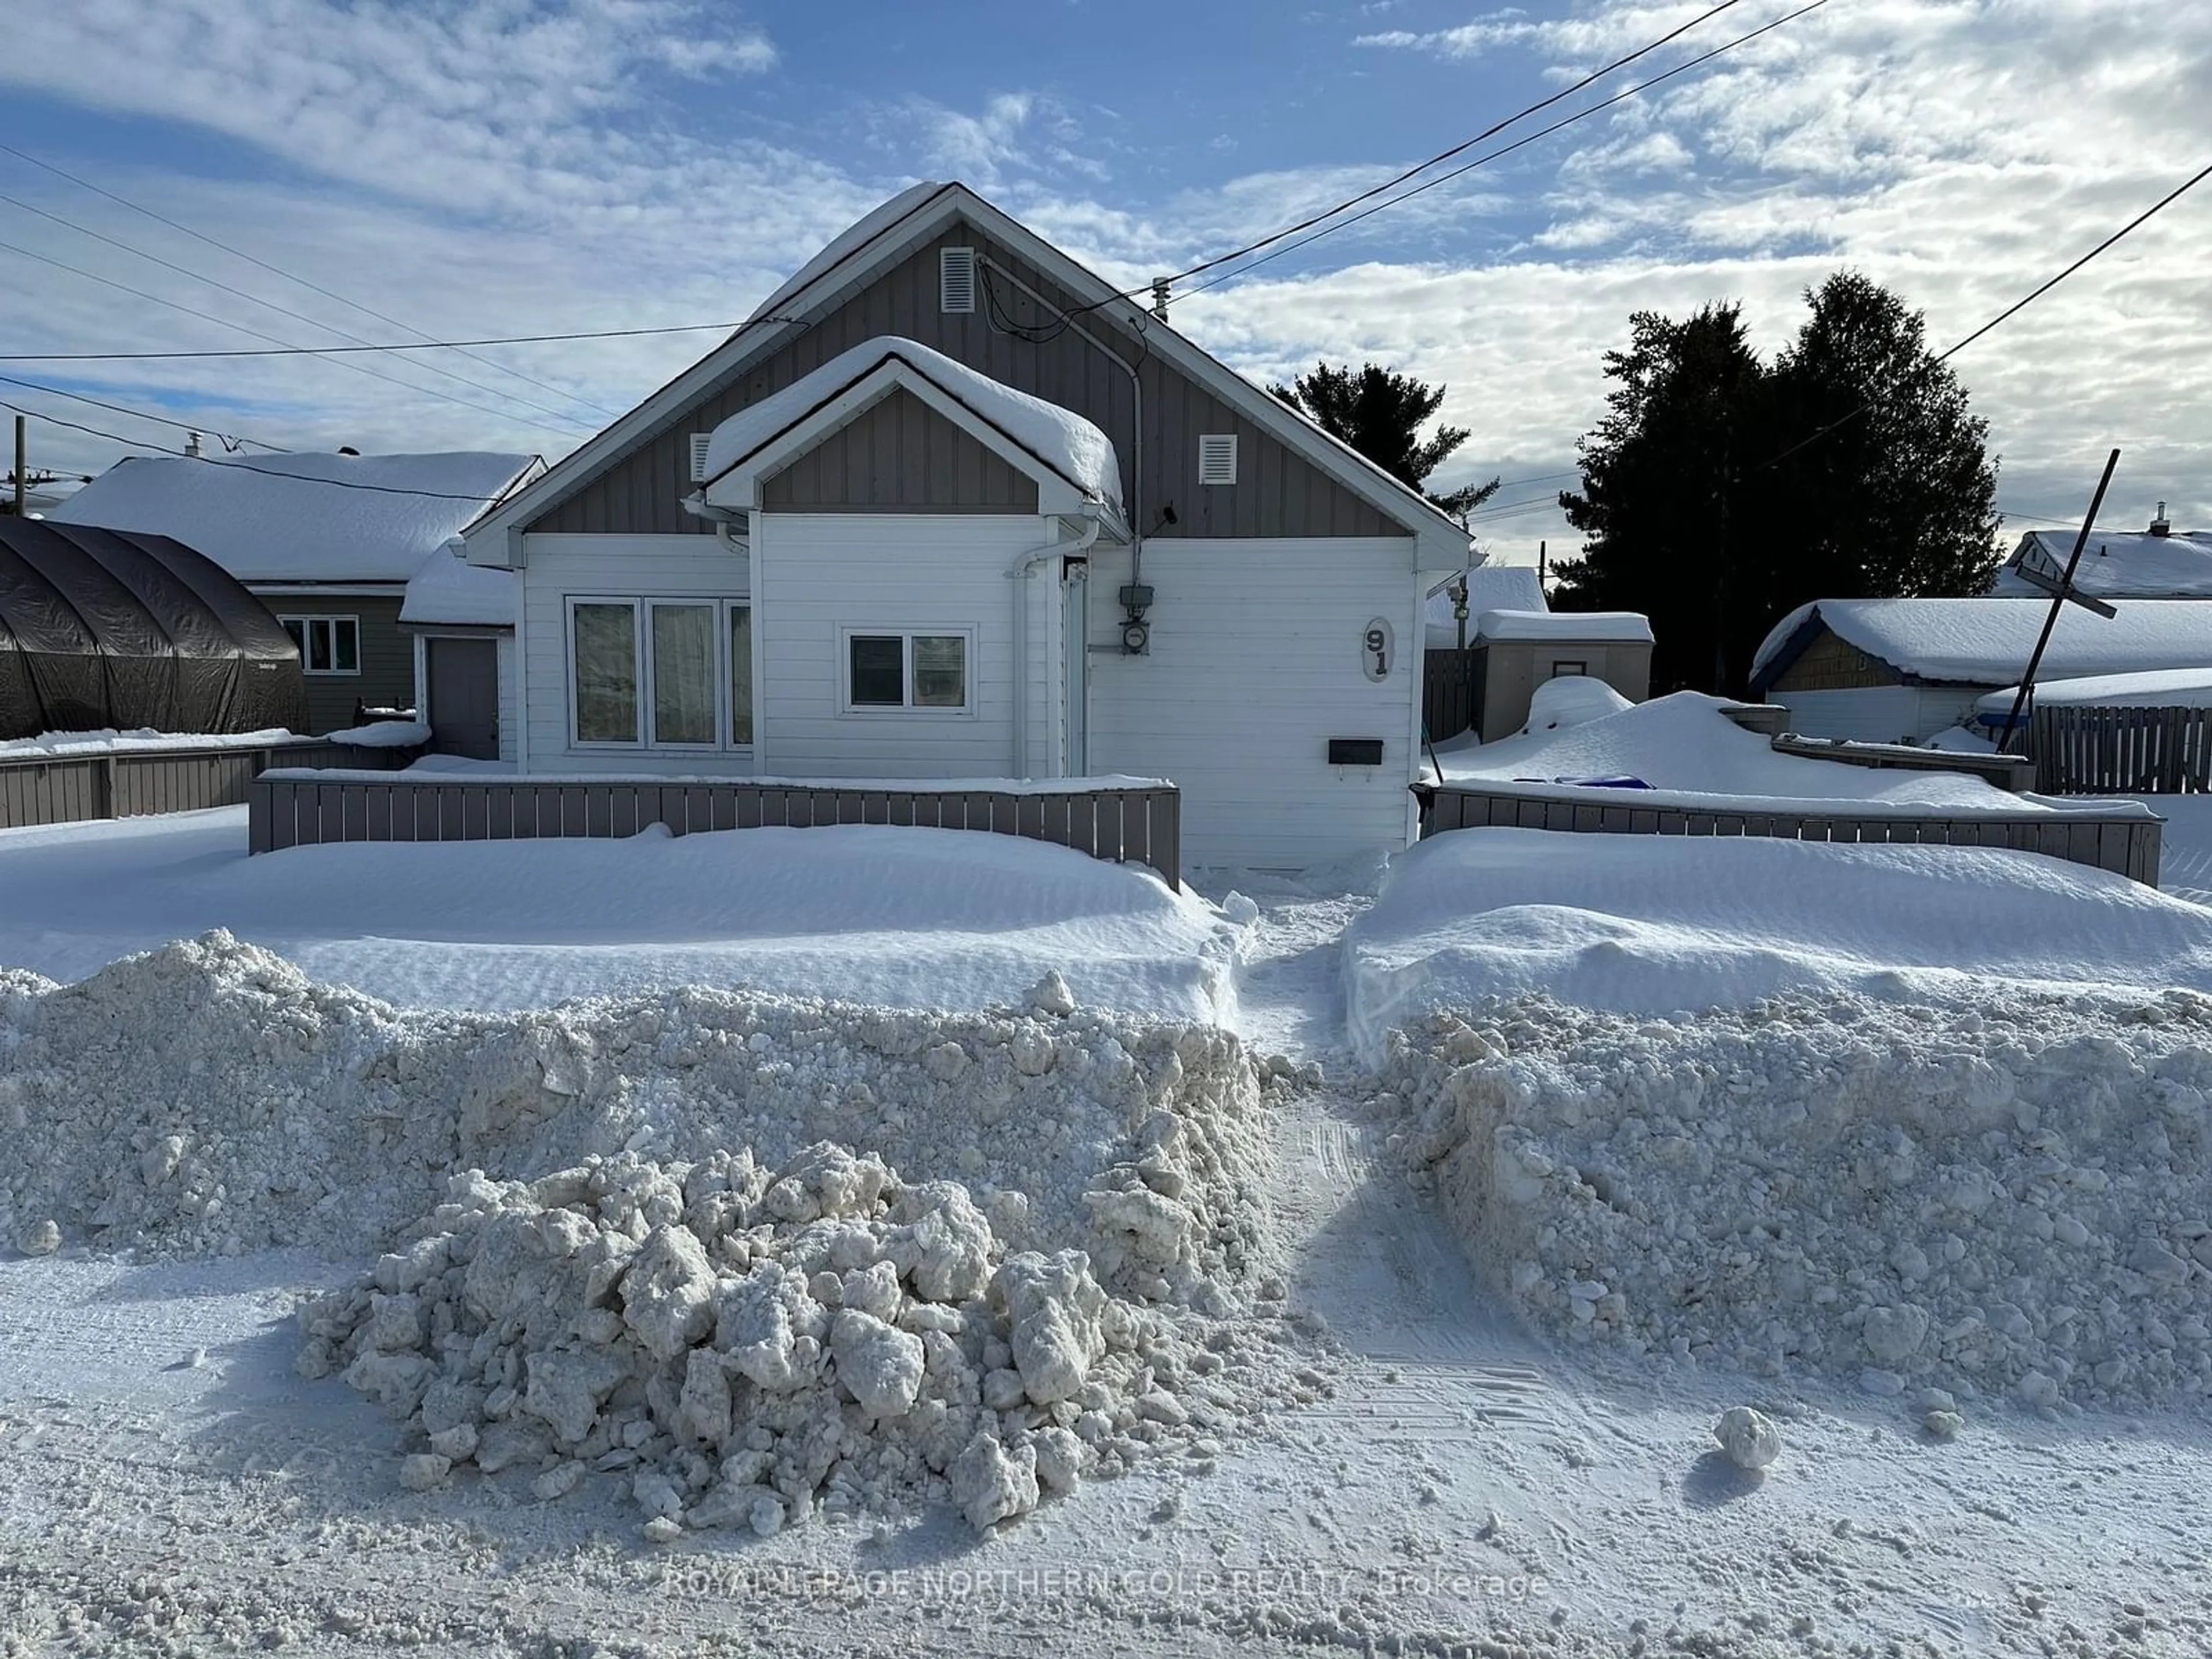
[104, 629]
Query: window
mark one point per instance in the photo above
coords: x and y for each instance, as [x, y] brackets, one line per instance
[1563, 668]
[672, 674]
[887, 670]
[327, 645]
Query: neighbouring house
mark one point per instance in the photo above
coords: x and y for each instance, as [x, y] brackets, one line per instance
[2149, 564]
[1890, 670]
[102, 630]
[328, 543]
[946, 507]
[460, 618]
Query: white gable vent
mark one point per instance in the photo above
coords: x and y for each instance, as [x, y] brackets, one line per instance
[1217, 458]
[700, 443]
[956, 279]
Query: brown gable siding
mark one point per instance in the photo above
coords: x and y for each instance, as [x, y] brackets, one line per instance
[1830, 663]
[1278, 493]
[899, 455]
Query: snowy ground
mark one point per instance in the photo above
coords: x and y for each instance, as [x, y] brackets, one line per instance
[942, 918]
[167, 1483]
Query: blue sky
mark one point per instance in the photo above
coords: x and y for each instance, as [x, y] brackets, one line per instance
[492, 166]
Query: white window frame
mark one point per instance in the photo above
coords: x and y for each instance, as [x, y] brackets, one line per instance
[641, 608]
[905, 633]
[307, 621]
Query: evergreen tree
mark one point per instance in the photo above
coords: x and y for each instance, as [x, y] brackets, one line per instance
[1719, 494]
[1380, 413]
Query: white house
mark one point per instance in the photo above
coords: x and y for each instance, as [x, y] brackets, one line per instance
[947, 508]
[331, 543]
[1902, 670]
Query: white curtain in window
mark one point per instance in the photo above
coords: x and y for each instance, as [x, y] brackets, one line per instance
[940, 670]
[605, 673]
[684, 674]
[741, 674]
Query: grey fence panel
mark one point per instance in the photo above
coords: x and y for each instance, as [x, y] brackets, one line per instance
[1137, 825]
[2116, 751]
[141, 783]
[2129, 845]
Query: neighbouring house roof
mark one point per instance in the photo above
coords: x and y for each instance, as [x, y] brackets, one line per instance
[301, 518]
[2130, 565]
[1489, 587]
[872, 244]
[447, 589]
[1987, 642]
[1594, 626]
[1057, 437]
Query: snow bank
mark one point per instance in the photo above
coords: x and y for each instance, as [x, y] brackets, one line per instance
[2009, 1201]
[1692, 755]
[301, 518]
[1065, 441]
[1651, 924]
[1988, 641]
[2177, 688]
[734, 1250]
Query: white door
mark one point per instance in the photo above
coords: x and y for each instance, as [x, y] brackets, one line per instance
[1075, 647]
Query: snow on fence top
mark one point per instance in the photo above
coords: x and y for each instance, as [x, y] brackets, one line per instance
[52, 744]
[292, 518]
[1988, 641]
[2179, 688]
[450, 590]
[2131, 566]
[1063, 440]
[1623, 626]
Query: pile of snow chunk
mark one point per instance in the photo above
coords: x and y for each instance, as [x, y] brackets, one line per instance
[739, 1256]
[732, 1344]
[2007, 1202]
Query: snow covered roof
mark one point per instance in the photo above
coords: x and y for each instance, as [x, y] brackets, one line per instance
[2132, 565]
[301, 518]
[1597, 627]
[1988, 641]
[1062, 439]
[2176, 687]
[1489, 587]
[845, 241]
[448, 589]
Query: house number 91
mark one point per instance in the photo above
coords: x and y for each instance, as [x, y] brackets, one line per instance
[1375, 642]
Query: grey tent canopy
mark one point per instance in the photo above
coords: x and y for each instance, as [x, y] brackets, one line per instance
[107, 628]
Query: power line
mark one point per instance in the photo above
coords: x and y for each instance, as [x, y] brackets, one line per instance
[282, 310]
[286, 349]
[734, 329]
[291, 276]
[1698, 62]
[56, 420]
[139, 414]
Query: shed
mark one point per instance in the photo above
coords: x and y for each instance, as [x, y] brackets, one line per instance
[103, 629]
[1517, 651]
[1888, 670]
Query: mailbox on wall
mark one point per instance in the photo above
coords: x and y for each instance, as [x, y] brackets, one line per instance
[1355, 752]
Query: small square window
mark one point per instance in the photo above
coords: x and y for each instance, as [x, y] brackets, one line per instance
[1560, 669]
[878, 670]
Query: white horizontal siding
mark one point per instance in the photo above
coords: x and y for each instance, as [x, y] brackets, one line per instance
[821, 573]
[559, 566]
[1255, 665]
[510, 695]
[1877, 714]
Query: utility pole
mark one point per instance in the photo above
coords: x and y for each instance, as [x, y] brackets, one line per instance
[23, 465]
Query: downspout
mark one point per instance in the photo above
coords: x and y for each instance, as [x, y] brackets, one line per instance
[1066, 548]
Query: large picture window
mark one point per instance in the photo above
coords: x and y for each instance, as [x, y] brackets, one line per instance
[655, 673]
[328, 645]
[920, 669]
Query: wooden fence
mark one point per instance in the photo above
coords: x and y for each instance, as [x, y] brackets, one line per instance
[1132, 823]
[133, 783]
[2125, 751]
[2129, 846]
[1449, 692]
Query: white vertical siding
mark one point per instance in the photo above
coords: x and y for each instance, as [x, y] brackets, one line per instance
[558, 566]
[510, 693]
[821, 573]
[1255, 665]
[1877, 714]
